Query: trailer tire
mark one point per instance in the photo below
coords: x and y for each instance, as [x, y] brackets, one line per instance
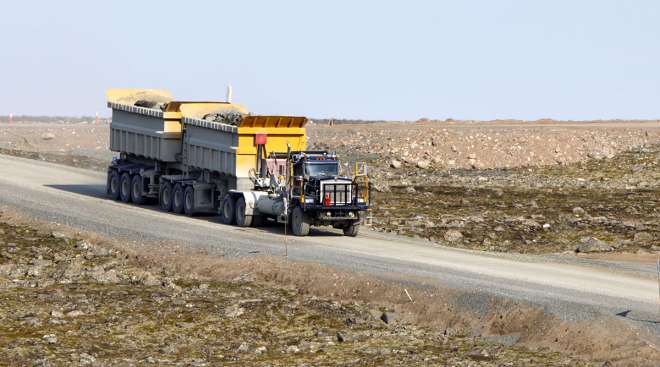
[125, 187]
[113, 184]
[136, 190]
[242, 220]
[189, 201]
[300, 222]
[165, 196]
[177, 199]
[228, 210]
[352, 230]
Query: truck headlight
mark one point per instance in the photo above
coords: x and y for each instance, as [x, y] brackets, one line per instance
[351, 214]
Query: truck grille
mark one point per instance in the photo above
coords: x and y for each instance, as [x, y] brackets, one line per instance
[340, 192]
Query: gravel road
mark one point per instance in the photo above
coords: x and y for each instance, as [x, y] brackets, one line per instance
[571, 289]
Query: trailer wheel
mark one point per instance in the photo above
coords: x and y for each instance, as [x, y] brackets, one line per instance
[165, 197]
[177, 199]
[113, 185]
[300, 222]
[136, 190]
[228, 210]
[241, 219]
[125, 187]
[352, 230]
[189, 201]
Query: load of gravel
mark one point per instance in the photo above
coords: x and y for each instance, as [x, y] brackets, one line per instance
[226, 117]
[151, 104]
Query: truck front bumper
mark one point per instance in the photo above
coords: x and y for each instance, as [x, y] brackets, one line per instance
[336, 213]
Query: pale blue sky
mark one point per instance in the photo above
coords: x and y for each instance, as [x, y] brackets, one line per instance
[351, 59]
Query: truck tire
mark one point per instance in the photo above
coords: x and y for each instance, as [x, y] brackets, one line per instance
[113, 185]
[242, 220]
[125, 187]
[136, 190]
[177, 199]
[165, 196]
[299, 222]
[352, 230]
[189, 201]
[228, 210]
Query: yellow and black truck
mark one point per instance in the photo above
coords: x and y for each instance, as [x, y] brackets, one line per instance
[194, 157]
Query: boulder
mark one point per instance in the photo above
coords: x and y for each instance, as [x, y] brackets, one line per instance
[47, 136]
[592, 244]
[423, 164]
[579, 211]
[453, 235]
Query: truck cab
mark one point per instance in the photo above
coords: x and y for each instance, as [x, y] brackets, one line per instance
[322, 196]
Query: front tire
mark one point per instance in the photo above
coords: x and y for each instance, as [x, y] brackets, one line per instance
[242, 220]
[125, 187]
[352, 230]
[228, 210]
[177, 199]
[136, 190]
[300, 222]
[165, 197]
[113, 185]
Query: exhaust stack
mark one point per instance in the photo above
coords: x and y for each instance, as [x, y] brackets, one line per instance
[228, 99]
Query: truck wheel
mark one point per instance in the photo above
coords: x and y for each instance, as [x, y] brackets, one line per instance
[228, 210]
[165, 197]
[177, 199]
[189, 201]
[125, 187]
[113, 185]
[299, 222]
[352, 230]
[136, 190]
[241, 219]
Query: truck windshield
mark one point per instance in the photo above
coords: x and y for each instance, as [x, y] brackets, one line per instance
[322, 169]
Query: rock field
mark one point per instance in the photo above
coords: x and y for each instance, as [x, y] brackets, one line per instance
[599, 205]
[70, 302]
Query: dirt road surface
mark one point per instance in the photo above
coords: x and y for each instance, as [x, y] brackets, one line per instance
[571, 289]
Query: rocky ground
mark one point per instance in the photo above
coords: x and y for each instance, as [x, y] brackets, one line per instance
[598, 205]
[67, 302]
[532, 187]
[452, 144]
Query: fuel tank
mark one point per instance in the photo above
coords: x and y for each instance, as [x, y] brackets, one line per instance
[270, 205]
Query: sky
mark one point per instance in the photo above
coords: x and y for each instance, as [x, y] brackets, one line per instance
[396, 60]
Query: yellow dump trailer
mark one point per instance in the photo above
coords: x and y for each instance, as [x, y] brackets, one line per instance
[233, 150]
